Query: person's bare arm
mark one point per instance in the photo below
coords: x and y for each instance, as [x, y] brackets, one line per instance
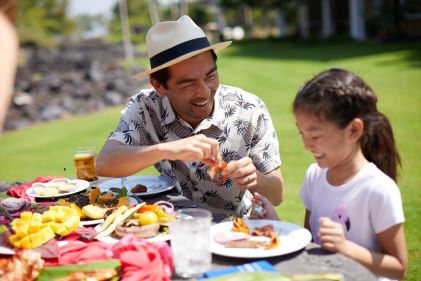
[118, 160]
[392, 263]
[8, 59]
[270, 185]
[245, 175]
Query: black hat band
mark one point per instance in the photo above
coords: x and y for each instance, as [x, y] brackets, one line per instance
[178, 51]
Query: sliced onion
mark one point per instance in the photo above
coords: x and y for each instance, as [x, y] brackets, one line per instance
[13, 204]
[166, 206]
[228, 236]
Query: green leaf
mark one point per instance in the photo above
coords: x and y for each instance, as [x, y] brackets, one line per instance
[123, 192]
[50, 273]
[3, 228]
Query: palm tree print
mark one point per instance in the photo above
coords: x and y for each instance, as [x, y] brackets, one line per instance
[229, 155]
[229, 111]
[211, 193]
[224, 136]
[229, 205]
[266, 153]
[241, 125]
[201, 170]
[254, 141]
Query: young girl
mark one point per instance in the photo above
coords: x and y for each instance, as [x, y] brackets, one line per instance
[353, 205]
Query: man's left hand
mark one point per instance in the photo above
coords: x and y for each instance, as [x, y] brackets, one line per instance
[243, 172]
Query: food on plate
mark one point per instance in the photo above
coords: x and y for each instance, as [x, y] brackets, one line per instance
[238, 225]
[24, 265]
[94, 211]
[119, 219]
[134, 228]
[92, 204]
[113, 216]
[101, 274]
[45, 191]
[32, 230]
[139, 188]
[147, 217]
[215, 171]
[240, 236]
[54, 187]
[143, 221]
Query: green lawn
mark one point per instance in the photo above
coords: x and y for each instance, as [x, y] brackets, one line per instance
[274, 71]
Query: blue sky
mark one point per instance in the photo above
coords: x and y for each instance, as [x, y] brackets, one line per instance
[78, 7]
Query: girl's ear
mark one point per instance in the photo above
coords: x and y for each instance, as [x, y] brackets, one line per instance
[157, 86]
[356, 128]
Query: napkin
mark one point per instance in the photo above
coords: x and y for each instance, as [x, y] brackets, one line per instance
[248, 267]
[19, 190]
[142, 260]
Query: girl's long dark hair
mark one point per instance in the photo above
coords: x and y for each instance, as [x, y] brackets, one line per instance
[339, 96]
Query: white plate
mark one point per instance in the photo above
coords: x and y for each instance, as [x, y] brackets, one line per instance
[81, 185]
[6, 251]
[90, 222]
[292, 238]
[112, 240]
[98, 221]
[154, 184]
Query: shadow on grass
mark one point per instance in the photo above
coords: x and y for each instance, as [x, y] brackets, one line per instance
[289, 49]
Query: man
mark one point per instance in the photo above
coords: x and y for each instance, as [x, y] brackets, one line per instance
[189, 119]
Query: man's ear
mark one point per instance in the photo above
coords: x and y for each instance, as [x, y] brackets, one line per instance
[157, 86]
[356, 128]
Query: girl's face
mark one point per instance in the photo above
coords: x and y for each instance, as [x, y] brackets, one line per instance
[331, 147]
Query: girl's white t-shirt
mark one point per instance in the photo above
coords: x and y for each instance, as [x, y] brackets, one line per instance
[368, 204]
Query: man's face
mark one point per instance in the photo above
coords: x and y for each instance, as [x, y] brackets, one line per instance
[192, 87]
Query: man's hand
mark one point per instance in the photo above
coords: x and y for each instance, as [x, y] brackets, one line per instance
[243, 172]
[332, 236]
[197, 147]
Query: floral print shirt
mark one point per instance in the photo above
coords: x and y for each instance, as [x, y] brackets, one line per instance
[240, 122]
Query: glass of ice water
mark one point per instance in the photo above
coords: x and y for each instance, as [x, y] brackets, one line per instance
[190, 242]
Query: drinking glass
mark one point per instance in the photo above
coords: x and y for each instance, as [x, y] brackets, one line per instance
[84, 159]
[190, 242]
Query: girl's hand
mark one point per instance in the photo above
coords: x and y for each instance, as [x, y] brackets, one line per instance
[262, 209]
[331, 235]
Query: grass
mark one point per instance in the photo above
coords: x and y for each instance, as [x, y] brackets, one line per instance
[273, 70]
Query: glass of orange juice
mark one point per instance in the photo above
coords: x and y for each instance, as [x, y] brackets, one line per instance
[84, 158]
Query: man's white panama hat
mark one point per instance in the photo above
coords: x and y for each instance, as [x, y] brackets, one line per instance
[170, 42]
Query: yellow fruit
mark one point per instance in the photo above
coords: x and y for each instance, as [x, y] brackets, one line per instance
[78, 210]
[93, 194]
[43, 235]
[123, 201]
[29, 231]
[147, 217]
[94, 212]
